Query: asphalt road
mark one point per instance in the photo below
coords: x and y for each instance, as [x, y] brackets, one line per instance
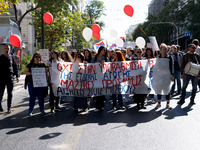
[150, 129]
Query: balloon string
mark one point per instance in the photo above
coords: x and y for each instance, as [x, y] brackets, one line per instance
[143, 31]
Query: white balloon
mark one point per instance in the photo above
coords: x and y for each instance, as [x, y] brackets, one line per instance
[113, 33]
[140, 42]
[87, 34]
[119, 42]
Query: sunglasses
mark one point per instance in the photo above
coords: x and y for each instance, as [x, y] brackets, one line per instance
[139, 52]
[193, 47]
[37, 56]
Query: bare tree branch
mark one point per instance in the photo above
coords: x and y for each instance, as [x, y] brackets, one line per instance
[22, 17]
[16, 11]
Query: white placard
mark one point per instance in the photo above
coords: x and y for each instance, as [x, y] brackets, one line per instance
[44, 55]
[39, 77]
[154, 43]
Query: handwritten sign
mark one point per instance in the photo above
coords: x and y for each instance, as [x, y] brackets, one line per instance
[44, 55]
[125, 77]
[39, 77]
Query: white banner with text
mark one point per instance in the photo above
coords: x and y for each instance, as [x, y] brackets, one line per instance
[127, 77]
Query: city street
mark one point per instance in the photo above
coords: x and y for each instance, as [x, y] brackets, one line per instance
[150, 129]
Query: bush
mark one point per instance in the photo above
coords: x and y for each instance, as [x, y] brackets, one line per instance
[26, 58]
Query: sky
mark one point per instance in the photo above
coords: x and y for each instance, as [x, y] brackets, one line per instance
[117, 20]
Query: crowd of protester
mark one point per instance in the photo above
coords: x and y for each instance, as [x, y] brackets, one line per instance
[177, 62]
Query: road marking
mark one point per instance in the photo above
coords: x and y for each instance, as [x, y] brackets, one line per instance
[74, 134]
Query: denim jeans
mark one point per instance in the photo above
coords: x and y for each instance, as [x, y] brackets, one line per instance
[35, 92]
[177, 78]
[186, 80]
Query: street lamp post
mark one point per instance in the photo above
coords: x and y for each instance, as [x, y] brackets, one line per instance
[171, 23]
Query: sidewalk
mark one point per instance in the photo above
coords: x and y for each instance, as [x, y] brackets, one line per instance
[17, 86]
[20, 84]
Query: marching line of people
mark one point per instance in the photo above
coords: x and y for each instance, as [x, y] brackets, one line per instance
[178, 60]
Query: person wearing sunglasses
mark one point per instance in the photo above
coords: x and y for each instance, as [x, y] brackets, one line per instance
[101, 57]
[34, 91]
[139, 98]
[190, 56]
[176, 65]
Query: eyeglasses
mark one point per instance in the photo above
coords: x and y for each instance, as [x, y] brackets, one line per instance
[139, 52]
[37, 56]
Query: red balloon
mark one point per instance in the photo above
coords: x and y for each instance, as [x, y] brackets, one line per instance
[128, 10]
[15, 40]
[48, 18]
[95, 28]
[96, 35]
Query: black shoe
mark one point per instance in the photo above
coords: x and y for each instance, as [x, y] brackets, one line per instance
[138, 107]
[143, 107]
[9, 110]
[58, 109]
[180, 102]
[192, 102]
[114, 108]
[52, 111]
[122, 108]
[172, 93]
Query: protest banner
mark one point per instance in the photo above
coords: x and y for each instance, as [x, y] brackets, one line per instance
[44, 55]
[154, 43]
[127, 77]
[39, 77]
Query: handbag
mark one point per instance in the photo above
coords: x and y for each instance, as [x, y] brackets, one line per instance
[192, 68]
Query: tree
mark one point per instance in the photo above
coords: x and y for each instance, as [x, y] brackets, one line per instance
[37, 4]
[93, 11]
[172, 12]
[193, 18]
[4, 7]
[76, 22]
